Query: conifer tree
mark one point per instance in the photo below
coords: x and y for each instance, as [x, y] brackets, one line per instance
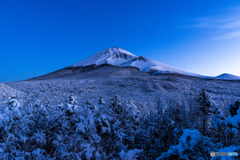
[205, 108]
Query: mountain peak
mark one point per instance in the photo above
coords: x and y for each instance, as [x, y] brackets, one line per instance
[227, 76]
[121, 57]
[112, 55]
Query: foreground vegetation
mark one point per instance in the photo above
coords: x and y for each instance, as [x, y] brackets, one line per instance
[118, 129]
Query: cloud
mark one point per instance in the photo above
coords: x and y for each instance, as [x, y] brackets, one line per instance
[222, 27]
[231, 25]
[229, 35]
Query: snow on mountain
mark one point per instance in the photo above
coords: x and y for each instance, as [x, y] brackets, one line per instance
[227, 77]
[148, 65]
[113, 56]
[120, 57]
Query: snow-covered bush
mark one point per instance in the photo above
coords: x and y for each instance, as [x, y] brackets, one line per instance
[101, 101]
[233, 120]
[105, 130]
[132, 112]
[191, 145]
[13, 103]
[130, 155]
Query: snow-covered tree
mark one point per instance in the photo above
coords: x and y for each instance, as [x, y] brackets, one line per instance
[191, 145]
[218, 119]
[132, 112]
[13, 107]
[116, 105]
[116, 131]
[233, 120]
[13, 102]
[101, 101]
[72, 104]
[205, 108]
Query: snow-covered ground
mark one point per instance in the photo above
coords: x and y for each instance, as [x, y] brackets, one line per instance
[126, 82]
[6, 91]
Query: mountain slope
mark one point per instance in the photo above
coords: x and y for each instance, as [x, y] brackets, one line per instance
[154, 67]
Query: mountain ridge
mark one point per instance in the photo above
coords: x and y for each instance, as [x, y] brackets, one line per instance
[115, 58]
[120, 57]
[123, 58]
[112, 55]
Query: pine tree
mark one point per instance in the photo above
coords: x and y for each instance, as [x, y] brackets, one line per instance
[218, 122]
[116, 105]
[205, 108]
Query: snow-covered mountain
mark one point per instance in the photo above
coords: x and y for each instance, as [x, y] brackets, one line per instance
[113, 56]
[120, 57]
[148, 65]
[227, 77]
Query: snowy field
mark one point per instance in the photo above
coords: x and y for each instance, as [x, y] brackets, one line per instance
[107, 81]
[167, 116]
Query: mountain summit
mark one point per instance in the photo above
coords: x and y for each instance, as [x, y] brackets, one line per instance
[120, 57]
[113, 56]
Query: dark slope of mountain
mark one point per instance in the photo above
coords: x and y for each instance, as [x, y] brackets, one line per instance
[101, 71]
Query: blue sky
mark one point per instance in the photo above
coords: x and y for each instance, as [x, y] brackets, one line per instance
[41, 36]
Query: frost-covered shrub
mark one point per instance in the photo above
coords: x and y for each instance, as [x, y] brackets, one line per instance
[233, 120]
[191, 145]
[130, 155]
[13, 102]
[38, 154]
[132, 112]
[106, 130]
[101, 101]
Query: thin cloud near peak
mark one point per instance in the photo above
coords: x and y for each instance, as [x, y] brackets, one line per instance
[223, 27]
